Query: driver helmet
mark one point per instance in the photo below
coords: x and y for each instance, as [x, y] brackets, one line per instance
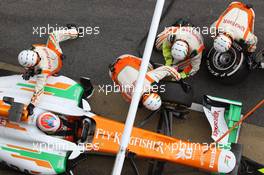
[179, 50]
[49, 122]
[151, 101]
[223, 42]
[28, 58]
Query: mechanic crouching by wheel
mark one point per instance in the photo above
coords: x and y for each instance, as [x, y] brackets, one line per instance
[124, 72]
[182, 47]
[45, 60]
[236, 24]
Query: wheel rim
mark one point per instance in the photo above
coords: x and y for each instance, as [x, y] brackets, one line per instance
[224, 61]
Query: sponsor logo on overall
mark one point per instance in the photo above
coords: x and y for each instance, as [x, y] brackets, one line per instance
[216, 127]
[235, 24]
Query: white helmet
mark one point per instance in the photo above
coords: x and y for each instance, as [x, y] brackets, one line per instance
[28, 58]
[179, 50]
[222, 43]
[151, 101]
[49, 122]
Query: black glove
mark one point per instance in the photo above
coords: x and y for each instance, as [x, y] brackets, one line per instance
[30, 108]
[171, 38]
[193, 54]
[244, 45]
[26, 76]
[29, 73]
[80, 30]
[70, 26]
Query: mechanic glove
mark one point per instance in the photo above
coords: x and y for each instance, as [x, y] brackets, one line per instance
[171, 38]
[26, 76]
[71, 26]
[30, 109]
[80, 29]
[29, 73]
[183, 75]
[242, 43]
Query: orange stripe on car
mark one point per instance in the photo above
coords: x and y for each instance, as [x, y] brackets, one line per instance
[22, 148]
[41, 163]
[15, 126]
[27, 89]
[58, 85]
[35, 172]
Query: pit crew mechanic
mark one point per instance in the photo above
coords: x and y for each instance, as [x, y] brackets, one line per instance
[182, 47]
[124, 72]
[45, 60]
[237, 24]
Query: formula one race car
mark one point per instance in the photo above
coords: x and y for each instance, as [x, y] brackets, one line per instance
[31, 144]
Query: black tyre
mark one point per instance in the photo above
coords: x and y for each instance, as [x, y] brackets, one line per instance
[229, 67]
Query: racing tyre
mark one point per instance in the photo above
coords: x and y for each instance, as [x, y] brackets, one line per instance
[229, 67]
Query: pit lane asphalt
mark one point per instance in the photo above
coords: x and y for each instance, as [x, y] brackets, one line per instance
[122, 24]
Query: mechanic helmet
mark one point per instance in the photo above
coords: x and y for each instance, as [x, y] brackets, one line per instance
[151, 101]
[179, 50]
[28, 58]
[49, 122]
[222, 43]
